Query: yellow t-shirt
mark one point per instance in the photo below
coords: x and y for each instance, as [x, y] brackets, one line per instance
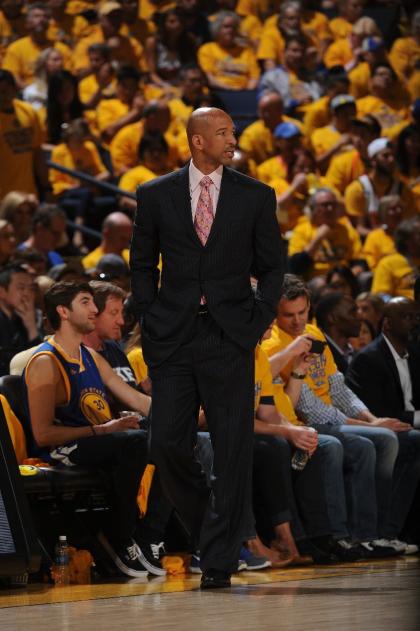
[137, 363]
[345, 168]
[289, 214]
[314, 25]
[20, 134]
[395, 276]
[88, 87]
[320, 368]
[356, 202]
[148, 7]
[180, 111]
[324, 139]
[92, 259]
[339, 248]
[263, 382]
[338, 54]
[21, 55]
[134, 177]
[130, 51]
[340, 28]
[253, 7]
[257, 139]
[377, 245]
[387, 115]
[404, 55]
[359, 80]
[108, 111]
[10, 30]
[272, 169]
[317, 114]
[233, 68]
[86, 159]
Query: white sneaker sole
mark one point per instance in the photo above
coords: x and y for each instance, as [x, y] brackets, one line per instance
[157, 571]
[261, 566]
[128, 571]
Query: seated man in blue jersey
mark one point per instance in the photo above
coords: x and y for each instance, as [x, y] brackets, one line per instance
[65, 386]
[105, 339]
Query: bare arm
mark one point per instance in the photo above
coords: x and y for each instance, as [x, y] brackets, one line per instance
[269, 421]
[279, 360]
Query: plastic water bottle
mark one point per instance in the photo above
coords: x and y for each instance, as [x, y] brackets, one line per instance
[61, 569]
[300, 457]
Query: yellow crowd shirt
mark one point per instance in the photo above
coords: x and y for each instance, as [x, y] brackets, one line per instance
[339, 248]
[137, 363]
[340, 28]
[10, 30]
[395, 276]
[88, 87]
[134, 177]
[387, 115]
[314, 25]
[233, 68]
[257, 140]
[323, 139]
[359, 79]
[20, 134]
[338, 54]
[129, 51]
[320, 368]
[377, 245]
[272, 169]
[108, 111]
[86, 159]
[317, 114]
[257, 8]
[357, 205]
[345, 168]
[404, 56]
[21, 55]
[289, 214]
[61, 31]
[92, 259]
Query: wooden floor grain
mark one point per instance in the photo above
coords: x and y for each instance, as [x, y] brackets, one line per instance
[382, 596]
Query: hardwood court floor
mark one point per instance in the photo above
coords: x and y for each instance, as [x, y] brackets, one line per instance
[380, 596]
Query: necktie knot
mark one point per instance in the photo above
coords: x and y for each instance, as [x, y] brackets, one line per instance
[206, 181]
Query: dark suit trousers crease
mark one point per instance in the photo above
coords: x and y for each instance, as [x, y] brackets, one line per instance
[212, 371]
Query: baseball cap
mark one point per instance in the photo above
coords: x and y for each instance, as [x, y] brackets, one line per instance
[112, 266]
[377, 145]
[286, 130]
[370, 44]
[108, 7]
[340, 100]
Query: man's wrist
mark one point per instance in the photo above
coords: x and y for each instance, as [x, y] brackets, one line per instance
[297, 375]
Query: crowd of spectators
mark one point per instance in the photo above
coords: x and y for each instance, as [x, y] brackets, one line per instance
[105, 89]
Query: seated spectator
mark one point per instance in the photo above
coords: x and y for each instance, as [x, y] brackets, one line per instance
[292, 192]
[370, 307]
[380, 241]
[18, 209]
[63, 104]
[405, 51]
[250, 28]
[169, 49]
[334, 138]
[287, 139]
[73, 390]
[346, 52]
[373, 51]
[114, 114]
[76, 152]
[363, 195]
[125, 144]
[395, 274]
[116, 236]
[49, 61]
[336, 316]
[135, 357]
[272, 44]
[100, 82]
[113, 268]
[349, 165]
[19, 321]
[349, 11]
[125, 50]
[322, 240]
[384, 100]
[257, 139]
[365, 337]
[20, 142]
[192, 94]
[21, 55]
[318, 113]
[408, 160]
[7, 242]
[341, 279]
[227, 63]
[292, 80]
[61, 25]
[324, 401]
[12, 23]
[48, 230]
[153, 161]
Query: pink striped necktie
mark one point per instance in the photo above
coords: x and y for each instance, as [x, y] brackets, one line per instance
[204, 215]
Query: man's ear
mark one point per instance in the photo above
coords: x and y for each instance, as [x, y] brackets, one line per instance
[197, 141]
[62, 312]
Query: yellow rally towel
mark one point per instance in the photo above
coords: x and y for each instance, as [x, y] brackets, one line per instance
[176, 564]
[144, 489]
[15, 430]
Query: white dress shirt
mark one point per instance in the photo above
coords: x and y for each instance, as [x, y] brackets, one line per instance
[195, 177]
[405, 380]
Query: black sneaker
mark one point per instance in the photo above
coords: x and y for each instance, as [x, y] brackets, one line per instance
[150, 555]
[374, 551]
[347, 551]
[318, 552]
[125, 557]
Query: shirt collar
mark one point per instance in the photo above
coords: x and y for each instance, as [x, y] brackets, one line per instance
[347, 353]
[196, 176]
[394, 353]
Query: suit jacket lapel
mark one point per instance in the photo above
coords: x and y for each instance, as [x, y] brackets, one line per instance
[387, 355]
[225, 203]
[180, 194]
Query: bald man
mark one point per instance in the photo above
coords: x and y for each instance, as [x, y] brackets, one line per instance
[387, 379]
[214, 227]
[116, 235]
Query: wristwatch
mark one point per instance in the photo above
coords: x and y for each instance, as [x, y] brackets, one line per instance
[297, 375]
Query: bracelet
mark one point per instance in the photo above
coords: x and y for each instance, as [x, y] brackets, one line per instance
[297, 375]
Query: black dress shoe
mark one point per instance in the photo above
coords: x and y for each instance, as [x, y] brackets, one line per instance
[215, 579]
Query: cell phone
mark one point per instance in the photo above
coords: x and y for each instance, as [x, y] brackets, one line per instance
[317, 347]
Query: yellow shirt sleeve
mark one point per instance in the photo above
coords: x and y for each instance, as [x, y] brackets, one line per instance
[271, 45]
[109, 111]
[137, 363]
[124, 147]
[338, 54]
[354, 199]
[134, 177]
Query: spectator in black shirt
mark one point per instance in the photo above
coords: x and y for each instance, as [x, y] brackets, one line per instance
[18, 317]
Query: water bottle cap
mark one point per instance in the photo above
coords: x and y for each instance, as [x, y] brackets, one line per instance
[62, 538]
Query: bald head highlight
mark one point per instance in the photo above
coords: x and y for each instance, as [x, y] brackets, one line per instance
[200, 119]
